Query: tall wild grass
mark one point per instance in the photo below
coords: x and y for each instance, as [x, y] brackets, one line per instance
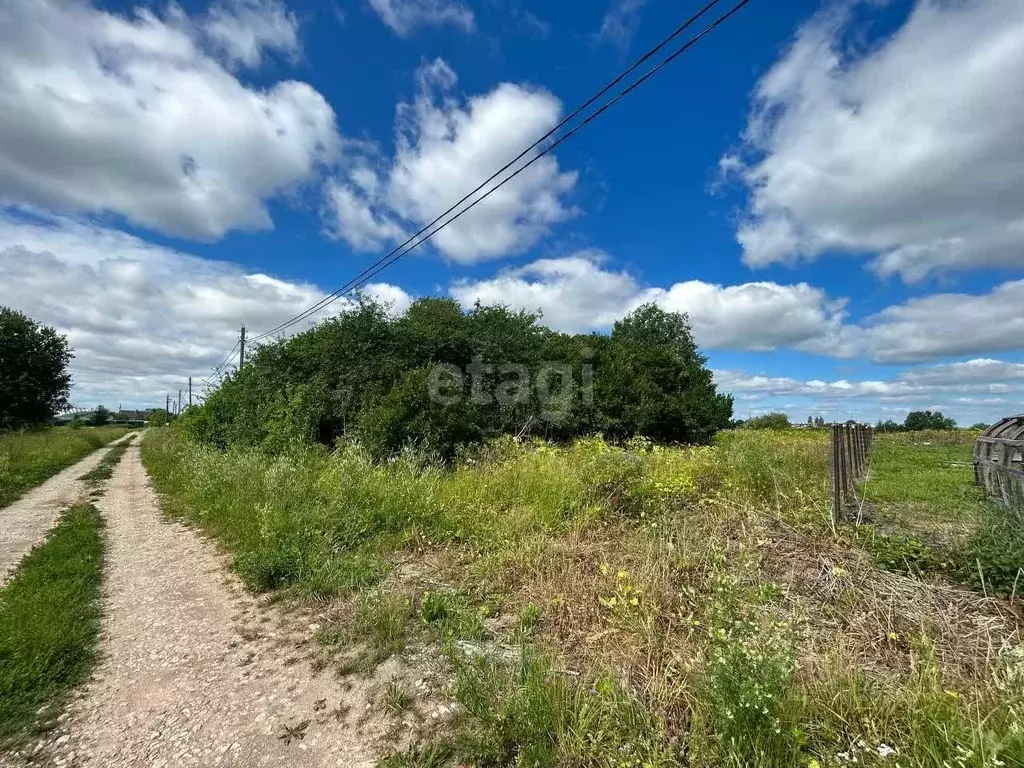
[670, 606]
[29, 457]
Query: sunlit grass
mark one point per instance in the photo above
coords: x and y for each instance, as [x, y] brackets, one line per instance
[30, 457]
[628, 606]
[49, 620]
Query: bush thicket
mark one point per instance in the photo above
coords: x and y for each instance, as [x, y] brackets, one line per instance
[437, 377]
[775, 420]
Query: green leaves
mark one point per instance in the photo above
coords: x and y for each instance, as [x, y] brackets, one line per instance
[437, 378]
[34, 378]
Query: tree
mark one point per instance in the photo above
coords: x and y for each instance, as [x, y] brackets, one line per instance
[775, 420]
[918, 420]
[980, 425]
[156, 417]
[650, 380]
[888, 426]
[34, 378]
[100, 416]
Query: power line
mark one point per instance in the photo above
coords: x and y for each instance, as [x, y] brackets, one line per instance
[621, 95]
[223, 364]
[330, 298]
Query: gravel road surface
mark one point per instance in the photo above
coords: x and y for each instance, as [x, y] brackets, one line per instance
[184, 679]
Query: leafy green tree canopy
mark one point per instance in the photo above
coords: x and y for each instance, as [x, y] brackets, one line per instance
[775, 420]
[34, 377]
[917, 420]
[100, 416]
[437, 377]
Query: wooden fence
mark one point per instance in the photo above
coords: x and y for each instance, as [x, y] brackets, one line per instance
[850, 444]
[999, 461]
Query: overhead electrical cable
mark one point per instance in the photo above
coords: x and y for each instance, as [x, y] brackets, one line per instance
[394, 254]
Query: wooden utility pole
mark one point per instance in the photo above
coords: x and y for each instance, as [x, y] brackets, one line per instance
[241, 350]
[179, 402]
[167, 409]
[189, 391]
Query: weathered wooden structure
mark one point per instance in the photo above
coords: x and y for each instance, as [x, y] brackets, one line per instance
[849, 444]
[999, 460]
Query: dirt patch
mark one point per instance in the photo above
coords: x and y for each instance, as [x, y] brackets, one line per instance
[194, 672]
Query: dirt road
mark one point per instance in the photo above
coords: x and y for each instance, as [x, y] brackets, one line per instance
[26, 522]
[178, 683]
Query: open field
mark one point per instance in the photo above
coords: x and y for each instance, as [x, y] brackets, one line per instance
[49, 620]
[592, 605]
[30, 457]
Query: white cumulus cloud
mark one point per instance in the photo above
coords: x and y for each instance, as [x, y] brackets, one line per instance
[975, 390]
[140, 115]
[945, 325]
[445, 148]
[908, 150]
[141, 317]
[577, 294]
[243, 29]
[404, 16]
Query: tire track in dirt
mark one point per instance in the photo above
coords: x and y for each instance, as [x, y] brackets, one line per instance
[25, 522]
[178, 683]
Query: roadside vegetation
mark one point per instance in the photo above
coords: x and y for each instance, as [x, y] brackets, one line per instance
[440, 379]
[29, 457]
[49, 622]
[634, 604]
[95, 479]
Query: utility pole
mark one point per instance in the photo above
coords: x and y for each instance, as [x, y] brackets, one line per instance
[241, 350]
[179, 401]
[167, 409]
[189, 391]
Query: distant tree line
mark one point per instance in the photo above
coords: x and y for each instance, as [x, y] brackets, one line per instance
[437, 377]
[916, 421]
[776, 420]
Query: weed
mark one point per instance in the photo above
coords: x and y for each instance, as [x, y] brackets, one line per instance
[899, 552]
[526, 713]
[49, 620]
[451, 613]
[992, 557]
[381, 621]
[420, 756]
[394, 698]
[672, 606]
[105, 469]
[529, 617]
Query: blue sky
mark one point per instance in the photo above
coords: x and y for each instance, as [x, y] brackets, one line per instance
[832, 190]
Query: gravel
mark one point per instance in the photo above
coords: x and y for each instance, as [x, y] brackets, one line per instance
[192, 672]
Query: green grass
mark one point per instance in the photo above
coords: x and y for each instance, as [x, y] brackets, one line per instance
[933, 518]
[931, 477]
[103, 471]
[654, 606]
[49, 621]
[30, 457]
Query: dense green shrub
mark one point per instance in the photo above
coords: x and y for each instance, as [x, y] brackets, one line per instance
[775, 420]
[995, 551]
[437, 378]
